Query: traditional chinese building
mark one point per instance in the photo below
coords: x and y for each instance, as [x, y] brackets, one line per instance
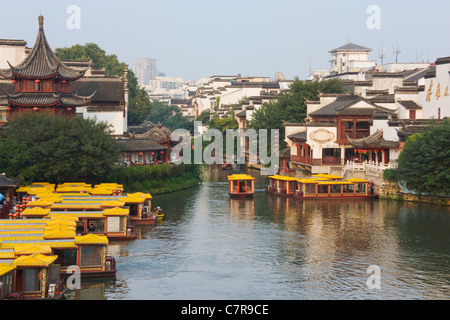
[42, 82]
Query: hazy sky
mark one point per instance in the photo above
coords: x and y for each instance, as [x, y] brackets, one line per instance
[199, 38]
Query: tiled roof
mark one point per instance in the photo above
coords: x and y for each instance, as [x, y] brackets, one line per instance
[375, 140]
[6, 268]
[410, 105]
[351, 47]
[136, 145]
[298, 136]
[41, 62]
[34, 260]
[105, 88]
[8, 182]
[340, 103]
[91, 238]
[47, 99]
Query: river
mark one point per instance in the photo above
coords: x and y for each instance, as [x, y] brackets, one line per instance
[212, 247]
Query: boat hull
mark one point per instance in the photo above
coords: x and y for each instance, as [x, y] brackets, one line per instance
[241, 195]
[281, 194]
[334, 197]
[144, 221]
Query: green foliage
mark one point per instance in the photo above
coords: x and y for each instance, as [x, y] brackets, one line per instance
[58, 149]
[424, 162]
[204, 117]
[169, 116]
[140, 107]
[291, 106]
[223, 124]
[156, 179]
[16, 160]
[139, 103]
[390, 174]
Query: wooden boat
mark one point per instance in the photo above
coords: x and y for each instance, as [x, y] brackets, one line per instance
[54, 237]
[338, 188]
[241, 185]
[282, 185]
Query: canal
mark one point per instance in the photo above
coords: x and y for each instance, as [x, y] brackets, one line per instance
[212, 247]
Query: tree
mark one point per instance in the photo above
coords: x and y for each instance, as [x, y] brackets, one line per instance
[424, 163]
[169, 116]
[204, 116]
[16, 160]
[64, 149]
[139, 103]
[292, 104]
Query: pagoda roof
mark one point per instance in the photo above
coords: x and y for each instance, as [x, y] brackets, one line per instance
[46, 99]
[42, 63]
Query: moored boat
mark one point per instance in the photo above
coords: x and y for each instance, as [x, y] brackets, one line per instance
[241, 185]
[339, 188]
[282, 185]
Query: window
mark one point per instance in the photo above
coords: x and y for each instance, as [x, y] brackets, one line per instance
[66, 257]
[322, 188]
[335, 188]
[347, 188]
[362, 129]
[91, 256]
[360, 188]
[96, 225]
[31, 281]
[310, 188]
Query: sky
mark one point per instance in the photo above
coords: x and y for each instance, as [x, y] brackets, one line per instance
[200, 38]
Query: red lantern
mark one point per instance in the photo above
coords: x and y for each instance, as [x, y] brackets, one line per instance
[37, 80]
[8, 109]
[140, 153]
[152, 153]
[69, 109]
[161, 152]
[64, 81]
[14, 81]
[35, 109]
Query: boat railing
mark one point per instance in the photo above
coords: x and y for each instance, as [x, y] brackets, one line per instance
[56, 289]
[18, 295]
[110, 263]
[131, 231]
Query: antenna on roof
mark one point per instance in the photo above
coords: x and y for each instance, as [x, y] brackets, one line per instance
[397, 51]
[381, 54]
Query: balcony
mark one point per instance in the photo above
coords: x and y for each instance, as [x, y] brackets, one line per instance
[300, 159]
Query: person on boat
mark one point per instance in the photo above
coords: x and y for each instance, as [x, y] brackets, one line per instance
[371, 187]
[91, 228]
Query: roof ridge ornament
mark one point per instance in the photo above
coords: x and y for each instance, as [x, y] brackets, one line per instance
[41, 23]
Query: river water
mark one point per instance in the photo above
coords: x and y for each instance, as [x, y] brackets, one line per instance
[212, 247]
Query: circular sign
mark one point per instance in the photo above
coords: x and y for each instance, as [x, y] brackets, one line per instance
[322, 136]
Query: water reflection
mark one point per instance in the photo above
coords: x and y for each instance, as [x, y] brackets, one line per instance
[212, 247]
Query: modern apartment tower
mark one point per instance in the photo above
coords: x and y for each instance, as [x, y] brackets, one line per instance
[145, 70]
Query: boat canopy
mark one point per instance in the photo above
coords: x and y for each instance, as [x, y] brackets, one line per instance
[240, 177]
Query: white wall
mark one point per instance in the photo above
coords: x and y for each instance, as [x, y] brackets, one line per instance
[115, 118]
[14, 54]
[430, 108]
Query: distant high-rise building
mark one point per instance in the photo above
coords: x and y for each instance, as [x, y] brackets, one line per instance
[145, 70]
